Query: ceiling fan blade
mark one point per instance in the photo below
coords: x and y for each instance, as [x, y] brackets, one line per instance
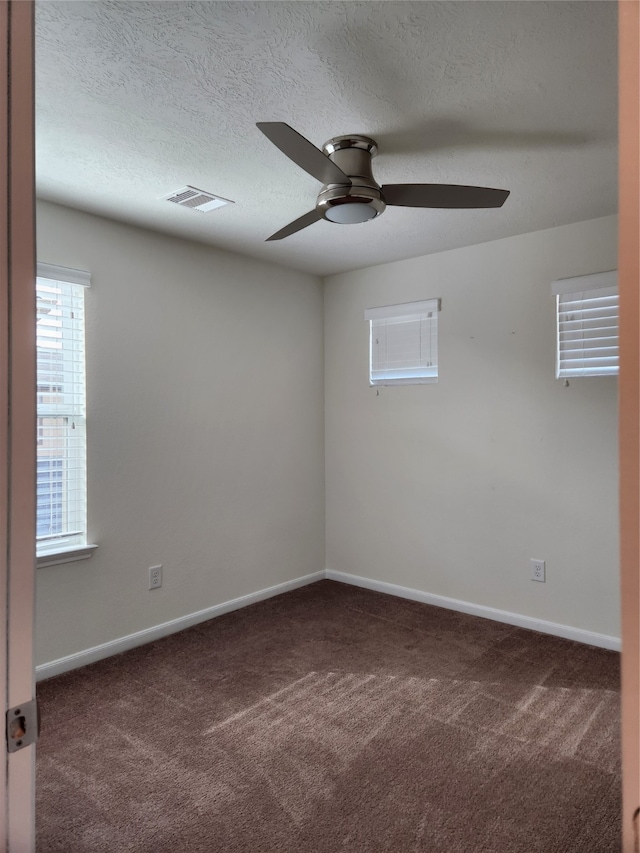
[302, 152]
[296, 225]
[442, 195]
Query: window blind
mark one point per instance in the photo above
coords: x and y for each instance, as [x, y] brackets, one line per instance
[404, 343]
[61, 434]
[587, 325]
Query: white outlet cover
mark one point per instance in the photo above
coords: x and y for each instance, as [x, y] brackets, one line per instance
[538, 571]
[155, 577]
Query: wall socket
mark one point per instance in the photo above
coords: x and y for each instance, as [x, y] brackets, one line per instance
[538, 572]
[155, 577]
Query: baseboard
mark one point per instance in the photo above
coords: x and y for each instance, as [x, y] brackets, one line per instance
[148, 635]
[122, 644]
[590, 638]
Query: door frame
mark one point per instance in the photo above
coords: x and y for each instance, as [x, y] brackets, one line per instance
[18, 391]
[629, 408]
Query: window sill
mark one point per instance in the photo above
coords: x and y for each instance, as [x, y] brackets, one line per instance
[69, 555]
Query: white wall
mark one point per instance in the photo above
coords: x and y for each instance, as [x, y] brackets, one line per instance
[205, 430]
[451, 488]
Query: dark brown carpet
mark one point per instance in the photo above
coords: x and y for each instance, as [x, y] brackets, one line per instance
[335, 719]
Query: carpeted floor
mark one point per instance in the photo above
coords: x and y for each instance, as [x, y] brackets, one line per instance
[335, 719]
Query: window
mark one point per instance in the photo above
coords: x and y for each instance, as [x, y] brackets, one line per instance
[61, 524]
[587, 325]
[403, 343]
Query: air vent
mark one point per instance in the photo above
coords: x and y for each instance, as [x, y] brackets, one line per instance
[196, 199]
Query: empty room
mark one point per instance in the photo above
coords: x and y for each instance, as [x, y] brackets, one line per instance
[327, 516]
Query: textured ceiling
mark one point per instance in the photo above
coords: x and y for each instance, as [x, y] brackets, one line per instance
[136, 99]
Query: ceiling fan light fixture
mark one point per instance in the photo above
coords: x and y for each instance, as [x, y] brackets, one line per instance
[350, 212]
[349, 205]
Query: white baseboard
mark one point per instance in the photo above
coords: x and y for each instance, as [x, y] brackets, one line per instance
[148, 635]
[566, 631]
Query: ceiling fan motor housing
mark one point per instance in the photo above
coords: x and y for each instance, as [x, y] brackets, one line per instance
[360, 201]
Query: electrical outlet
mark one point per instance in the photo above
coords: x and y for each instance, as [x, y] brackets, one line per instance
[155, 577]
[538, 571]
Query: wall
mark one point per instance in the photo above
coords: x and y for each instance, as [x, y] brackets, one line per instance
[204, 424]
[451, 488]
[205, 430]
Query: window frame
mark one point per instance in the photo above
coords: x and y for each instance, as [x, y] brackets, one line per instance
[388, 316]
[70, 547]
[602, 286]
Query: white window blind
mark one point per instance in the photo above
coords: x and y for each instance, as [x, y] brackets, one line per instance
[61, 436]
[587, 325]
[404, 343]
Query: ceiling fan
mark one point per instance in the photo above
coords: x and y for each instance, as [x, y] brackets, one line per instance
[350, 193]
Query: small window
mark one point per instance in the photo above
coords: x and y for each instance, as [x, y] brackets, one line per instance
[403, 343]
[61, 441]
[587, 325]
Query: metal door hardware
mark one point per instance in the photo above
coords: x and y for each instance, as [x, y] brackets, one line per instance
[23, 725]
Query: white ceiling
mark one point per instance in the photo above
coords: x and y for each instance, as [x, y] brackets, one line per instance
[136, 99]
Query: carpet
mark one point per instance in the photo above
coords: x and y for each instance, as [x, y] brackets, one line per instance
[332, 719]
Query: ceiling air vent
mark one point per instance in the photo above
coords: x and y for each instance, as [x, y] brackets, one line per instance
[196, 199]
